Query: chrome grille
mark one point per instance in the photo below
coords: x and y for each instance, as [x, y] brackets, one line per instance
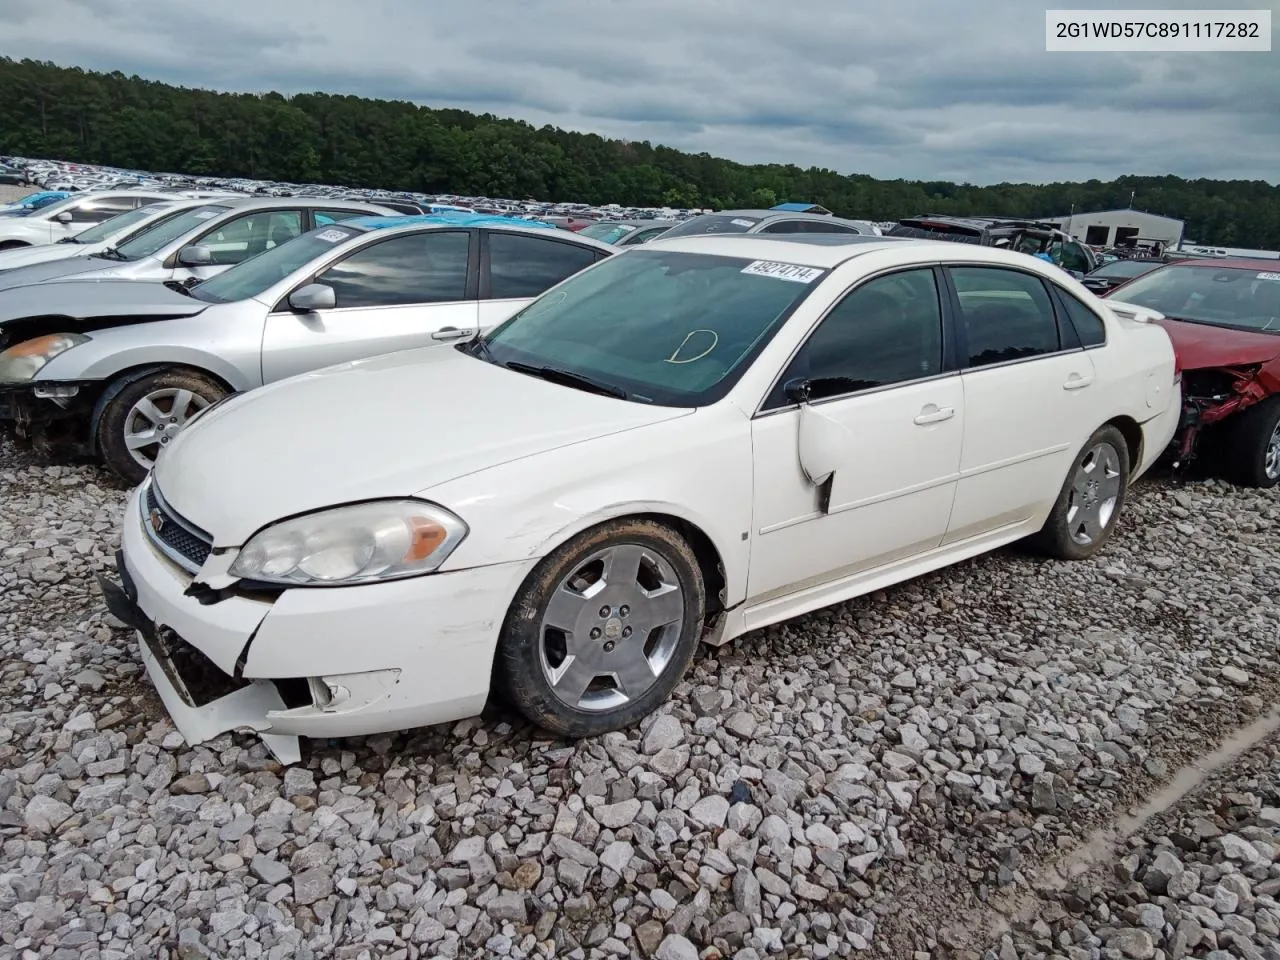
[181, 541]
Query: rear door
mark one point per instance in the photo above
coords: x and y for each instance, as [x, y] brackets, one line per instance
[516, 267]
[1029, 395]
[407, 291]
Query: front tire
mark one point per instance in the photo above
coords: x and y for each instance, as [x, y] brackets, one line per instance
[1091, 499]
[603, 629]
[1250, 454]
[144, 417]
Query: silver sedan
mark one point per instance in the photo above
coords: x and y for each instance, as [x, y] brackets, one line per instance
[199, 243]
[114, 369]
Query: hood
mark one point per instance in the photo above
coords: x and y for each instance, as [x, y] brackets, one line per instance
[390, 426]
[1199, 345]
[101, 298]
[54, 270]
[43, 253]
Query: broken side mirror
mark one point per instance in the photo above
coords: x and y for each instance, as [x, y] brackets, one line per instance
[798, 390]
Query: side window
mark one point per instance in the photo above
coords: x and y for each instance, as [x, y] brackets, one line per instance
[326, 217]
[96, 211]
[1089, 326]
[784, 226]
[420, 268]
[1007, 314]
[825, 226]
[1074, 258]
[889, 330]
[254, 233]
[525, 266]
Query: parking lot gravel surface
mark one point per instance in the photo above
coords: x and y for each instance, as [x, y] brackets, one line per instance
[882, 778]
[1200, 879]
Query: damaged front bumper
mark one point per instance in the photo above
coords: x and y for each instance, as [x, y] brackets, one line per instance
[49, 414]
[315, 662]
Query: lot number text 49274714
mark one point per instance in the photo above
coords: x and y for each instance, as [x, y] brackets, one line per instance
[1130, 31]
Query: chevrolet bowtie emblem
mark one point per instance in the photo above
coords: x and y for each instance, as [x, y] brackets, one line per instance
[156, 519]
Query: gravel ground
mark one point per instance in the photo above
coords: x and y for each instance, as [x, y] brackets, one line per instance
[9, 192]
[876, 779]
[1200, 879]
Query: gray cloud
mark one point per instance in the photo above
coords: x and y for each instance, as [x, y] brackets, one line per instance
[916, 89]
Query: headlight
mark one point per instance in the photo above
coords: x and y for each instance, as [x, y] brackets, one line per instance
[362, 543]
[23, 361]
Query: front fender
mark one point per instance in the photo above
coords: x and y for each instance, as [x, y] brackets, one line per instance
[697, 469]
[97, 360]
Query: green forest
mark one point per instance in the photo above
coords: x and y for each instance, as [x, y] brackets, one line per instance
[67, 113]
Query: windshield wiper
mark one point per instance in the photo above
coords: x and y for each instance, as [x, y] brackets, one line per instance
[69, 240]
[111, 253]
[568, 378]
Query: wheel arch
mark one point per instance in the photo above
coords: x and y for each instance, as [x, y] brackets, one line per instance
[1134, 441]
[710, 557]
[122, 380]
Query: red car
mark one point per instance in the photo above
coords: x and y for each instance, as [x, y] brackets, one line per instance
[1223, 316]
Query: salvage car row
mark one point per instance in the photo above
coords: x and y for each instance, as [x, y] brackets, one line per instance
[503, 455]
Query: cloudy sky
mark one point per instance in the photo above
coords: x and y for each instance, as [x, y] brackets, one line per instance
[922, 89]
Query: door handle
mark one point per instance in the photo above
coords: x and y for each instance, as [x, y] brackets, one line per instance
[932, 413]
[450, 333]
[1077, 381]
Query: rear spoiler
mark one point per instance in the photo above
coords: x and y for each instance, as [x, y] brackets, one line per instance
[1131, 311]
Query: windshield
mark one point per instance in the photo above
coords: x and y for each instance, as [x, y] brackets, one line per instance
[258, 274]
[166, 231]
[712, 223]
[607, 232]
[1232, 297]
[1124, 269]
[110, 228]
[677, 329]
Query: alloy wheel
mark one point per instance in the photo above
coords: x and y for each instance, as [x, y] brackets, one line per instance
[611, 628]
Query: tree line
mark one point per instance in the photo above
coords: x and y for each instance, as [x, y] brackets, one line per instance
[68, 113]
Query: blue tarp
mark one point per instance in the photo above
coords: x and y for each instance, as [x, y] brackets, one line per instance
[450, 218]
[800, 207]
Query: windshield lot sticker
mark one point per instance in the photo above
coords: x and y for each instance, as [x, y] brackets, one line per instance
[1269, 276]
[743, 223]
[332, 236]
[206, 214]
[781, 271]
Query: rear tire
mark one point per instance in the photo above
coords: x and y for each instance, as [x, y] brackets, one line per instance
[1089, 504]
[1250, 455]
[630, 598]
[144, 417]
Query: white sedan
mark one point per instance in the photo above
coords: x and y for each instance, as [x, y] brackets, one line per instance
[684, 442]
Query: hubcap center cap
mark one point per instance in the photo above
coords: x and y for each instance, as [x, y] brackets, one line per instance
[612, 628]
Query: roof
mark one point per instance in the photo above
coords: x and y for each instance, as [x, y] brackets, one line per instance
[830, 250]
[1079, 214]
[1261, 264]
[236, 201]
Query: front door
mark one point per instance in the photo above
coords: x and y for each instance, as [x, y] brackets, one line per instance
[891, 416]
[408, 291]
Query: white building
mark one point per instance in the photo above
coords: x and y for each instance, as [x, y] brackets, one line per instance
[1109, 228]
